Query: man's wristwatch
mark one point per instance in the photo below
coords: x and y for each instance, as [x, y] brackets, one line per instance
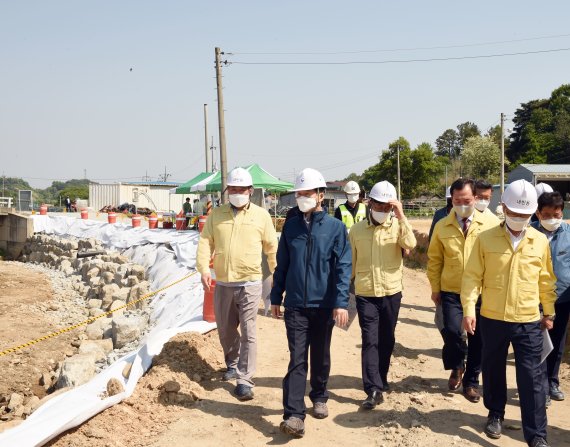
[550, 317]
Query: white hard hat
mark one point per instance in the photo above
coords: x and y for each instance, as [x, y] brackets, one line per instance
[448, 192]
[239, 177]
[541, 188]
[383, 192]
[520, 197]
[309, 179]
[351, 187]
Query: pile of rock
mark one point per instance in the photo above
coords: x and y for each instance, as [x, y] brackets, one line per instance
[106, 282]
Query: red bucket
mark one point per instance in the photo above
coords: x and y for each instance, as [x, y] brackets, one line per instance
[136, 219]
[180, 223]
[112, 218]
[208, 313]
[84, 214]
[43, 210]
[153, 222]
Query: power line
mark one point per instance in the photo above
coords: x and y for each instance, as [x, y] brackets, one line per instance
[387, 50]
[402, 61]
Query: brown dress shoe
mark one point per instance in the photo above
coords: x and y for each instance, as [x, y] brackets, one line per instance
[471, 394]
[455, 379]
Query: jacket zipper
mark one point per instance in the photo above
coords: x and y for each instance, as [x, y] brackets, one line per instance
[308, 258]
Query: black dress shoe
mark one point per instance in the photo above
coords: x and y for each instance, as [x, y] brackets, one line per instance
[494, 427]
[373, 399]
[539, 442]
[556, 393]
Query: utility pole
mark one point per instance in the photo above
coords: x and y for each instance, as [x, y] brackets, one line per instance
[165, 178]
[85, 174]
[221, 125]
[502, 153]
[212, 157]
[445, 178]
[206, 148]
[399, 191]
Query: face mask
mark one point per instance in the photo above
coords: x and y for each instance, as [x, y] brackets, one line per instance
[306, 204]
[481, 205]
[516, 223]
[239, 200]
[379, 216]
[352, 198]
[464, 210]
[551, 224]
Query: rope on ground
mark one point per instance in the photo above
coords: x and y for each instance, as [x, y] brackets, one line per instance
[92, 319]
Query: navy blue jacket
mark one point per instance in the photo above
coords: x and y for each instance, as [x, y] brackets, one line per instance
[560, 251]
[313, 264]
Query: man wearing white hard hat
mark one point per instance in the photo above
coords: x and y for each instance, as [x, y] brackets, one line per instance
[313, 271]
[377, 270]
[511, 267]
[353, 210]
[236, 234]
[541, 188]
[449, 250]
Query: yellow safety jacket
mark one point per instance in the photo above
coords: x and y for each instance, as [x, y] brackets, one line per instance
[347, 218]
[377, 268]
[512, 282]
[237, 242]
[449, 250]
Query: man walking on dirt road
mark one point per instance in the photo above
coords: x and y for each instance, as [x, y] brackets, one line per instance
[236, 234]
[377, 269]
[313, 270]
[448, 253]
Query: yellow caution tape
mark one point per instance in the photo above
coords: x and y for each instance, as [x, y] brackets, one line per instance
[92, 319]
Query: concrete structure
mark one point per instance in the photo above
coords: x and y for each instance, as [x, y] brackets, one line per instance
[153, 195]
[557, 176]
[15, 229]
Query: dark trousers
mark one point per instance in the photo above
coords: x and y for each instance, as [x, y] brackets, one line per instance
[558, 336]
[455, 347]
[526, 339]
[377, 317]
[308, 329]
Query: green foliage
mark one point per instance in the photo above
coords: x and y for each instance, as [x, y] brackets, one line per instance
[541, 131]
[352, 176]
[73, 188]
[450, 143]
[420, 169]
[481, 158]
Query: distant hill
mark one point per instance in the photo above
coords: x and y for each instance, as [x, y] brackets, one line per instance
[75, 189]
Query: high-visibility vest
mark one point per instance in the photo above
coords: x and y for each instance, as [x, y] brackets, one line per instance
[347, 218]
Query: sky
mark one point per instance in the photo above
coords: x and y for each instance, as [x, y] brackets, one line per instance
[70, 105]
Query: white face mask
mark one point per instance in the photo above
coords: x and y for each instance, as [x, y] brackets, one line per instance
[481, 205]
[516, 223]
[550, 224]
[464, 210]
[352, 198]
[306, 204]
[379, 216]
[239, 200]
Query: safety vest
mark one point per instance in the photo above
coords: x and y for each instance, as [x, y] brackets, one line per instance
[347, 218]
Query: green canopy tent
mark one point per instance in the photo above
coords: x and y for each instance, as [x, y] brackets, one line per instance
[261, 179]
[185, 188]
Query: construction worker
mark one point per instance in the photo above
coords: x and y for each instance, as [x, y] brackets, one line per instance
[313, 270]
[236, 234]
[550, 214]
[352, 210]
[448, 252]
[377, 270]
[510, 266]
[187, 210]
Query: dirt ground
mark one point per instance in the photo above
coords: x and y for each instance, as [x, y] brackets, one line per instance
[182, 401]
[26, 298]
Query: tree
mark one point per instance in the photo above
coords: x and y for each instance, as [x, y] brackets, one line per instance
[467, 130]
[541, 132]
[352, 176]
[481, 158]
[448, 144]
[420, 169]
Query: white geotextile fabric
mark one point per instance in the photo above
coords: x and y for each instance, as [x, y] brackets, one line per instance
[177, 309]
